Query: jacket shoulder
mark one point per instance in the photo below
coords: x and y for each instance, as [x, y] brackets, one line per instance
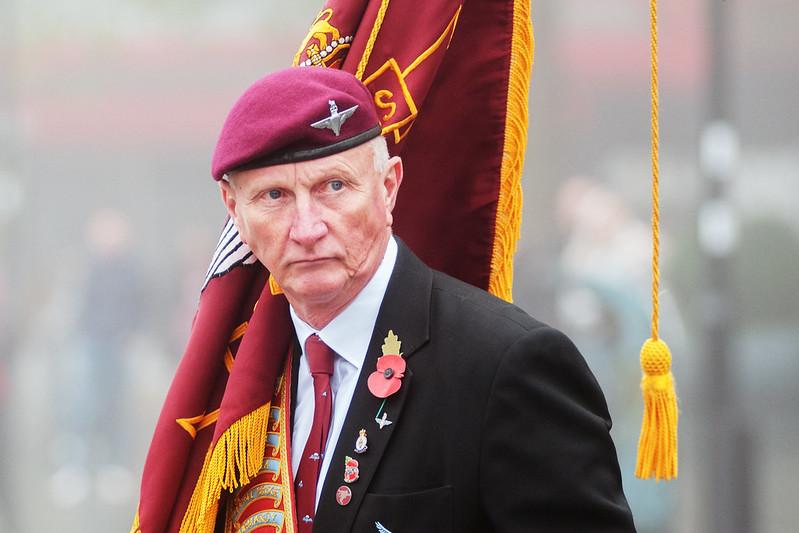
[483, 312]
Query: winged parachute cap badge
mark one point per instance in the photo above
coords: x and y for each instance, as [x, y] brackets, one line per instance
[336, 119]
[384, 421]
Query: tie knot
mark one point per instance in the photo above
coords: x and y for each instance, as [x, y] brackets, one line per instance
[320, 356]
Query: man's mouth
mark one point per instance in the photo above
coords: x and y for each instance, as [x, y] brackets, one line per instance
[311, 261]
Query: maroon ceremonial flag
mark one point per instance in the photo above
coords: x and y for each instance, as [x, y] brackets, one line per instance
[450, 81]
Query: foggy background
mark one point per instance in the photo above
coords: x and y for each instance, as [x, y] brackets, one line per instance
[109, 110]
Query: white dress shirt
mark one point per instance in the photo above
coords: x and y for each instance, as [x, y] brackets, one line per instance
[348, 334]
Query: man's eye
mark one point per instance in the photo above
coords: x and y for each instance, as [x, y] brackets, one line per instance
[275, 194]
[336, 185]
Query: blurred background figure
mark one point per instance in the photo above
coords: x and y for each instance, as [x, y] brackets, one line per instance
[108, 114]
[92, 386]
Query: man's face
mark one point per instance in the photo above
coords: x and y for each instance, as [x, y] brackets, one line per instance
[319, 226]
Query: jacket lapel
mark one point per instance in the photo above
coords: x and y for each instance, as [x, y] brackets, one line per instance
[405, 310]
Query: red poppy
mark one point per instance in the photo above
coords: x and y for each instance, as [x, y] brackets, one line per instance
[387, 379]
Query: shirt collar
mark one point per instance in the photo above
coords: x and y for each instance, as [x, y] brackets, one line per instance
[349, 333]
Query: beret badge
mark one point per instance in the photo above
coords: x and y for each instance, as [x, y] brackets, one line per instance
[336, 119]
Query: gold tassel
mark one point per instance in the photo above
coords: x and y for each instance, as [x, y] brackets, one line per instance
[231, 463]
[657, 446]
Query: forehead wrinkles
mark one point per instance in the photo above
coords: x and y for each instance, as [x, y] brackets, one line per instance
[350, 163]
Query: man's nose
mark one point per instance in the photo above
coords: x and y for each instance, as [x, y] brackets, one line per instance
[308, 225]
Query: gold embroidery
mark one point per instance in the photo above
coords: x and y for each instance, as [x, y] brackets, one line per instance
[403, 111]
[263, 491]
[385, 93]
[238, 332]
[264, 518]
[194, 424]
[274, 287]
[324, 45]
[370, 43]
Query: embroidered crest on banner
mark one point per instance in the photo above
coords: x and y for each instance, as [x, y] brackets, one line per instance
[324, 46]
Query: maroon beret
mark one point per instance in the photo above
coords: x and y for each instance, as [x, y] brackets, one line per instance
[294, 115]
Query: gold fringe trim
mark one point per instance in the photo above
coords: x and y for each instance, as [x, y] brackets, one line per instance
[509, 205]
[134, 528]
[231, 463]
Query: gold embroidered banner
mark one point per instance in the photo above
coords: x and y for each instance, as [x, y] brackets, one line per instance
[450, 84]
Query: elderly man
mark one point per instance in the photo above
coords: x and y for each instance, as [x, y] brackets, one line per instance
[418, 403]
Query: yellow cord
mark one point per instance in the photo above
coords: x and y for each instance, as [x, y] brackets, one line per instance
[653, 31]
[657, 445]
[381, 13]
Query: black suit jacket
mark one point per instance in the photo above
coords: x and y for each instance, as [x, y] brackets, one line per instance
[499, 424]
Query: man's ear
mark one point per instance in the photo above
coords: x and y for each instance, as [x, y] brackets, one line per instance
[392, 181]
[229, 199]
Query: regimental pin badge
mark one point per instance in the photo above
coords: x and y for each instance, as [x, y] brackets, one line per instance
[351, 471]
[381, 528]
[361, 444]
[383, 421]
[336, 119]
[343, 495]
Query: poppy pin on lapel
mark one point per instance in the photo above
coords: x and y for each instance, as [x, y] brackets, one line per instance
[387, 379]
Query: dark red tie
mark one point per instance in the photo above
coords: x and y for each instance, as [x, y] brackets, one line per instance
[320, 360]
